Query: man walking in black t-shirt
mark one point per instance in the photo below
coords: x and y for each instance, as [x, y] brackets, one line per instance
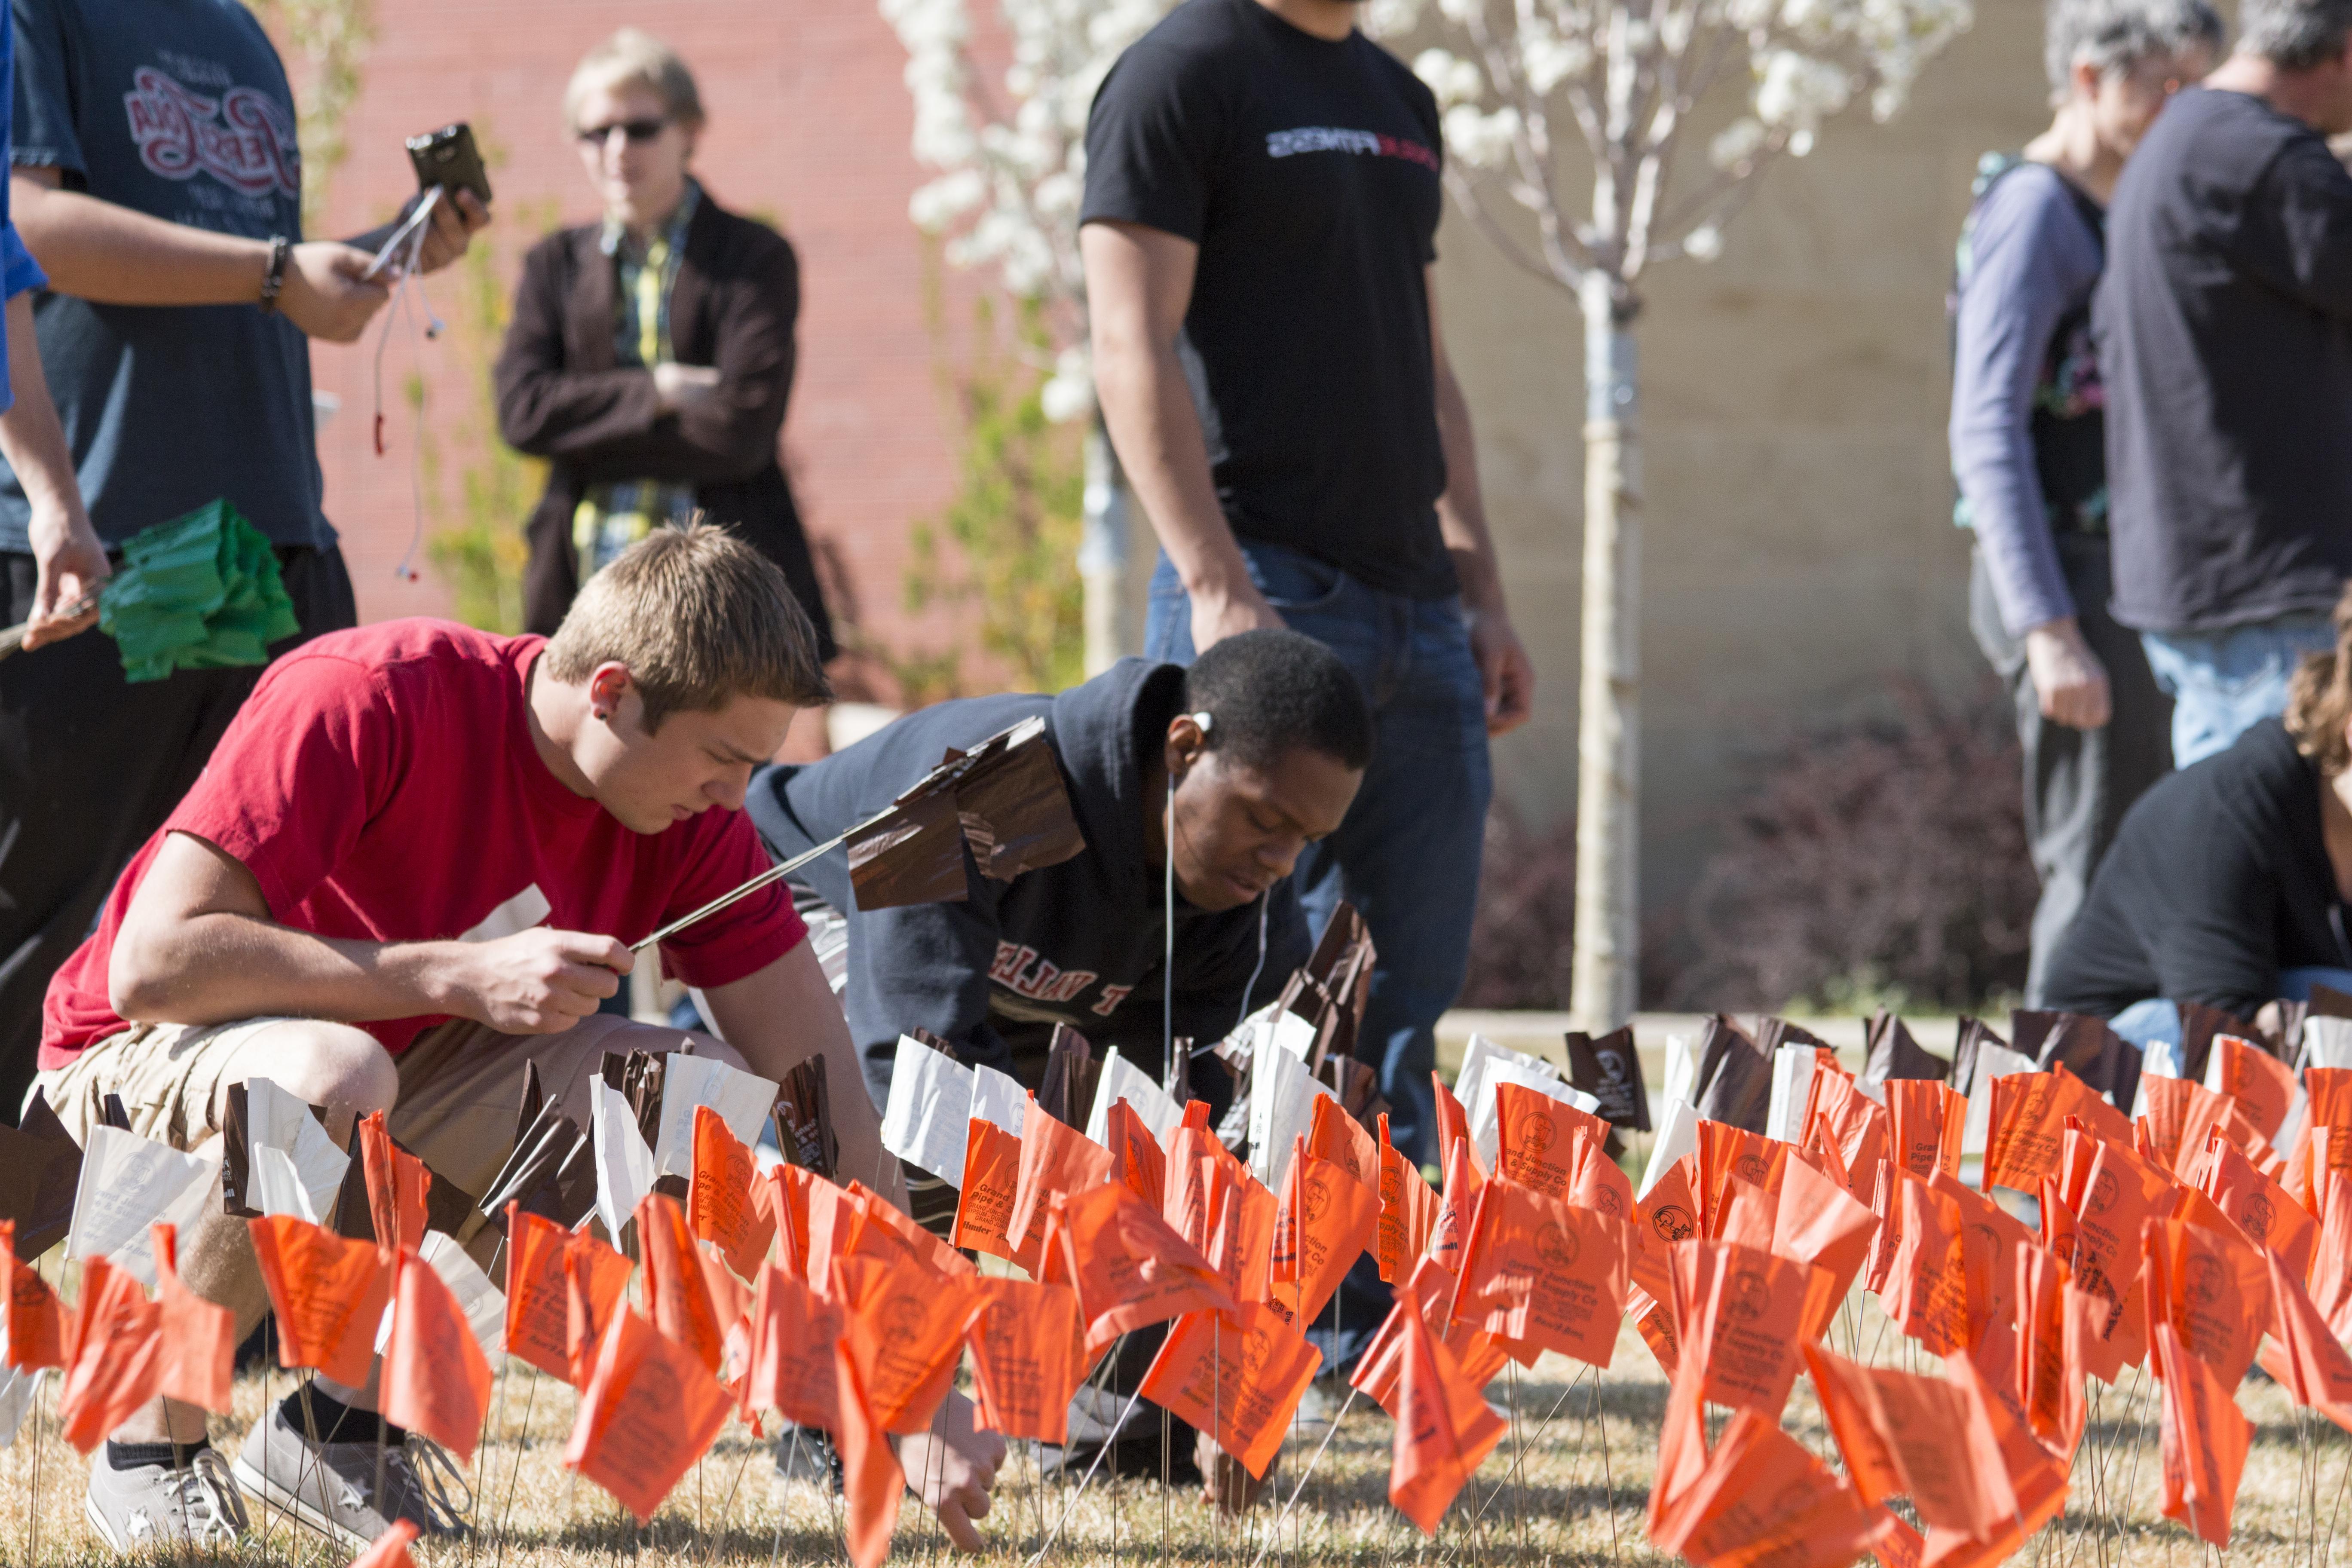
[2225, 339]
[1261, 209]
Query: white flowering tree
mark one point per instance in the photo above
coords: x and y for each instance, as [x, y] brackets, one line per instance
[1541, 98]
[1009, 149]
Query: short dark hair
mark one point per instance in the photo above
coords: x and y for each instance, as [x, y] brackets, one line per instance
[1268, 692]
[2294, 34]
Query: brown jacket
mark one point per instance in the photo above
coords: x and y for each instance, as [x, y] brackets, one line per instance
[563, 396]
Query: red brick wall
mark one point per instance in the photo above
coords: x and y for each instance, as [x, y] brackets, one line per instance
[809, 125]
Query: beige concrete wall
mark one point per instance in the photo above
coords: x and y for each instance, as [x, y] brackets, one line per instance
[1799, 552]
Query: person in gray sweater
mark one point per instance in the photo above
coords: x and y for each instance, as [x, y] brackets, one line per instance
[2028, 444]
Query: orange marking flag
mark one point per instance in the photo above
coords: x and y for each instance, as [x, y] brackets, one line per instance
[1239, 1376]
[435, 1378]
[730, 1303]
[872, 1482]
[1136, 1158]
[2205, 1439]
[1741, 1311]
[197, 1358]
[1727, 1151]
[1444, 1429]
[1132, 1268]
[1452, 1124]
[2212, 1285]
[390, 1549]
[329, 1294]
[1243, 1249]
[2331, 1272]
[1920, 1437]
[1818, 1222]
[1597, 1183]
[1332, 1135]
[2028, 1119]
[1408, 1212]
[718, 1204]
[649, 1411]
[2259, 1207]
[992, 1173]
[2255, 1079]
[594, 1279]
[1925, 1126]
[1544, 1274]
[793, 1333]
[1670, 1209]
[1860, 1129]
[2302, 1354]
[1927, 1282]
[2124, 1192]
[117, 1342]
[1760, 1497]
[397, 1186]
[1457, 1205]
[886, 1222]
[2330, 1096]
[674, 1287]
[2173, 1104]
[2048, 1386]
[905, 1330]
[538, 1307]
[1026, 1357]
[1536, 1138]
[1055, 1158]
[32, 1324]
[783, 1194]
[1477, 1354]
[1330, 1218]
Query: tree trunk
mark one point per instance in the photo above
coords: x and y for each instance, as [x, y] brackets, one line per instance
[1105, 558]
[1608, 741]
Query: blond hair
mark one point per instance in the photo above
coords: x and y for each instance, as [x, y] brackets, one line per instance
[2319, 699]
[701, 618]
[636, 56]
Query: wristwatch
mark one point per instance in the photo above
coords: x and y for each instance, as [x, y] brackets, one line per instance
[274, 279]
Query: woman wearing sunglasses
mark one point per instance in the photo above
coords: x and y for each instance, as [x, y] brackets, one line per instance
[651, 352]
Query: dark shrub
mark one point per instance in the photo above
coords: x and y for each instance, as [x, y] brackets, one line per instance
[1521, 942]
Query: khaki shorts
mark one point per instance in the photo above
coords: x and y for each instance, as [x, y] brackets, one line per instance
[460, 1083]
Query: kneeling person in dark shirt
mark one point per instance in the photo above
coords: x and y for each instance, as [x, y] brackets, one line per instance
[1264, 739]
[2228, 880]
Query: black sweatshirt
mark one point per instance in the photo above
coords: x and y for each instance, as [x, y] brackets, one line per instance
[2218, 882]
[1079, 943]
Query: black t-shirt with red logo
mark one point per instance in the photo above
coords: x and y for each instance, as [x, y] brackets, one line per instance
[1307, 171]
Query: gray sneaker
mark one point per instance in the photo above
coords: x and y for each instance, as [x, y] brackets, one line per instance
[165, 1505]
[332, 1487]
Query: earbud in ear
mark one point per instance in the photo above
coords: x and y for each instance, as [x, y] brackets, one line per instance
[1205, 719]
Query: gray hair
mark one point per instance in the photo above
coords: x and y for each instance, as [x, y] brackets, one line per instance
[634, 55]
[2294, 34]
[2114, 35]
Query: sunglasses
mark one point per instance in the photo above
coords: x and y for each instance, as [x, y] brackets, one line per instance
[634, 130]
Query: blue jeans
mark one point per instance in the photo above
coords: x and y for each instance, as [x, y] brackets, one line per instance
[2154, 1025]
[1407, 855]
[2224, 684]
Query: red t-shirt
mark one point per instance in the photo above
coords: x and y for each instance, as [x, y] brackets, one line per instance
[381, 785]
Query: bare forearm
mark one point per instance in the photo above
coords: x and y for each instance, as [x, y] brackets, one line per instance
[30, 438]
[1147, 405]
[96, 251]
[1462, 510]
[213, 968]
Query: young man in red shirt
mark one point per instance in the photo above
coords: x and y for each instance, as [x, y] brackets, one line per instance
[413, 867]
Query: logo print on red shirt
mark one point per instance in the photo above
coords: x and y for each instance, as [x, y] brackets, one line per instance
[242, 138]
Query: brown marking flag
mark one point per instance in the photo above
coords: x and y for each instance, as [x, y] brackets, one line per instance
[196, 1359]
[329, 1294]
[1818, 1222]
[1536, 1138]
[1239, 1376]
[2205, 1439]
[2027, 1119]
[1132, 1268]
[795, 1332]
[1740, 1314]
[1457, 1205]
[117, 1344]
[1920, 1437]
[871, 1480]
[436, 1379]
[1408, 1212]
[1544, 1275]
[718, 1201]
[1924, 1125]
[992, 1173]
[1444, 1429]
[32, 1324]
[2212, 1285]
[905, 1330]
[674, 1285]
[1330, 1218]
[2259, 1207]
[1055, 1158]
[649, 1411]
[1026, 1357]
[2256, 1080]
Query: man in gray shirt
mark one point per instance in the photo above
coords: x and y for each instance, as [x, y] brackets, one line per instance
[2027, 444]
[2224, 326]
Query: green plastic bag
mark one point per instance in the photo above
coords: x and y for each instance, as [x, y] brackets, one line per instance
[201, 592]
